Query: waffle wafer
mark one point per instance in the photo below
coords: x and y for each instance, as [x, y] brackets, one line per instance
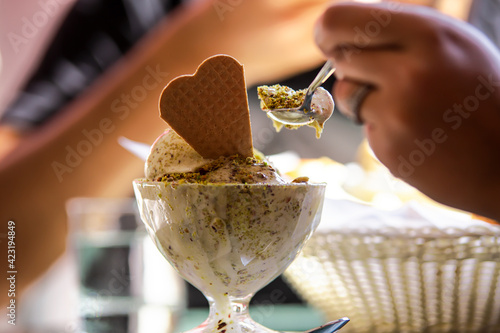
[209, 109]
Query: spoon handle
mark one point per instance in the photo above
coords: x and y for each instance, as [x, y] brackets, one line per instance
[323, 75]
[330, 327]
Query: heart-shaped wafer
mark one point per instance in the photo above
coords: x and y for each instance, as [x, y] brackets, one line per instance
[209, 109]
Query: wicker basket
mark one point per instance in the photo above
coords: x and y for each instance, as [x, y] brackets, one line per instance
[388, 276]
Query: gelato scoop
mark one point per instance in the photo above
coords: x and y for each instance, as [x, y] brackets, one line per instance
[173, 160]
[171, 154]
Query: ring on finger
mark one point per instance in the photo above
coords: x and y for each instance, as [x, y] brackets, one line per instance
[357, 99]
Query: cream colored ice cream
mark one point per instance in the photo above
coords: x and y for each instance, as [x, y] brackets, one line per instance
[172, 160]
[283, 97]
[171, 154]
[229, 240]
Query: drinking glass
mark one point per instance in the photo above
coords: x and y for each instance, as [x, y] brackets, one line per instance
[123, 280]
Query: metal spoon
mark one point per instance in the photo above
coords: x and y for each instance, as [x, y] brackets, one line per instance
[330, 327]
[306, 114]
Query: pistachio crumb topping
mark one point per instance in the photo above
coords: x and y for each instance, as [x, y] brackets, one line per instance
[283, 97]
[280, 97]
[231, 169]
[300, 180]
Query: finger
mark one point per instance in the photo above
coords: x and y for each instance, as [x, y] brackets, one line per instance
[364, 40]
[373, 67]
[365, 26]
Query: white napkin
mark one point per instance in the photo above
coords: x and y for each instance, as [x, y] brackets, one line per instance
[412, 219]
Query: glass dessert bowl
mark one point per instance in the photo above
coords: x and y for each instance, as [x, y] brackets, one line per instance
[229, 240]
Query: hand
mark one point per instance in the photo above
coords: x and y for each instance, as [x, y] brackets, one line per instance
[432, 110]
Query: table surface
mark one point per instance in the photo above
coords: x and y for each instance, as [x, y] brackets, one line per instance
[282, 317]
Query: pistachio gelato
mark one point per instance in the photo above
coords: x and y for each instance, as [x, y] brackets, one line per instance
[172, 160]
[229, 239]
[282, 97]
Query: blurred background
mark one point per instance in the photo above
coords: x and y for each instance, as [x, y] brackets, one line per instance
[66, 66]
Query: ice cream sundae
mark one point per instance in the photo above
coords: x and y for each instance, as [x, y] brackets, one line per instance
[216, 209]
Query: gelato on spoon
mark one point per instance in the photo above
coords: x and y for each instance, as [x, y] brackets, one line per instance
[278, 97]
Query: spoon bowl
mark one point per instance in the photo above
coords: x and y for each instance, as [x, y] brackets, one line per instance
[321, 106]
[318, 103]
